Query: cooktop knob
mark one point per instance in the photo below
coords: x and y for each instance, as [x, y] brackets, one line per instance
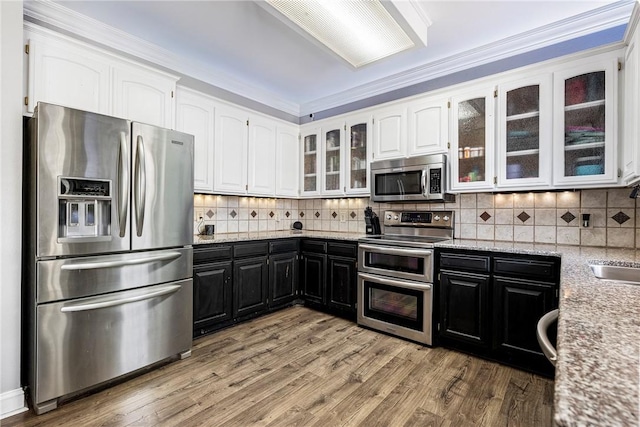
[436, 218]
[388, 216]
[445, 218]
[396, 217]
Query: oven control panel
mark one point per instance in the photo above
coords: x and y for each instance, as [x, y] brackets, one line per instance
[436, 219]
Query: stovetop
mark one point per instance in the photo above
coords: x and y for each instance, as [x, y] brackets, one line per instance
[405, 241]
[415, 229]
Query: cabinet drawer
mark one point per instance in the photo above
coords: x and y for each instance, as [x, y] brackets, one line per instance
[314, 246]
[216, 253]
[250, 249]
[280, 246]
[526, 268]
[349, 250]
[464, 262]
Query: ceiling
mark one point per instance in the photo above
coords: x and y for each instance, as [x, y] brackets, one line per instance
[244, 47]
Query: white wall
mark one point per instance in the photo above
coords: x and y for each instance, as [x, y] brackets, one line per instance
[11, 395]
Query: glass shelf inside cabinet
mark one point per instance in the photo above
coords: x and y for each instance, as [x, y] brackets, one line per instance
[471, 140]
[358, 156]
[584, 121]
[310, 162]
[523, 133]
[332, 156]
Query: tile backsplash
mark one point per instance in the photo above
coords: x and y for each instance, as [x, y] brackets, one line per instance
[550, 217]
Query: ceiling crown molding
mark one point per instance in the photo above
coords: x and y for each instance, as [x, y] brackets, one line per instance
[603, 18]
[53, 15]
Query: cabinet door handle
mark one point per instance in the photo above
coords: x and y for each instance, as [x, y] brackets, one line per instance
[287, 272]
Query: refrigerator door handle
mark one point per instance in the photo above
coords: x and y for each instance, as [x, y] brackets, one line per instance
[123, 185]
[140, 185]
[102, 302]
[120, 263]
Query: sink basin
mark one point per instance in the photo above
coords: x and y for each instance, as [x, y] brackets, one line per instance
[617, 273]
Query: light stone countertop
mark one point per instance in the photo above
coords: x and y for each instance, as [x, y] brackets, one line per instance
[597, 380]
[266, 235]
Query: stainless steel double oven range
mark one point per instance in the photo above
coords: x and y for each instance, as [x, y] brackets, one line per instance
[396, 273]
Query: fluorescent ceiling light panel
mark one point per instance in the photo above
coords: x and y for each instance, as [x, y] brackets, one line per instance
[360, 31]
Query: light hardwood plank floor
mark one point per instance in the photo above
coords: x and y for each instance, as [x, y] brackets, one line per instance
[299, 367]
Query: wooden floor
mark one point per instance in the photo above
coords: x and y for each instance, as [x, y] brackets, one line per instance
[300, 367]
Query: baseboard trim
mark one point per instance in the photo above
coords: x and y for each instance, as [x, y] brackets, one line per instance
[12, 402]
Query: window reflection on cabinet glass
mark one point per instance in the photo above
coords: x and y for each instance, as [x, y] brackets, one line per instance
[358, 156]
[523, 133]
[310, 153]
[471, 138]
[584, 124]
[332, 167]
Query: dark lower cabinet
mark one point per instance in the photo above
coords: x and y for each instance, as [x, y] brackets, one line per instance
[341, 283]
[312, 276]
[212, 295]
[283, 279]
[251, 285]
[517, 307]
[490, 304]
[464, 305]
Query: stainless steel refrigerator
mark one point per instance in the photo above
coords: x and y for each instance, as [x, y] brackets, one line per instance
[108, 207]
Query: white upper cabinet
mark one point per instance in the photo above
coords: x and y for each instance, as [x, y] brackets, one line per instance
[310, 183]
[357, 155]
[631, 124]
[287, 161]
[195, 115]
[389, 132]
[428, 126]
[262, 157]
[68, 74]
[524, 143]
[472, 139]
[585, 134]
[143, 94]
[230, 154]
[73, 74]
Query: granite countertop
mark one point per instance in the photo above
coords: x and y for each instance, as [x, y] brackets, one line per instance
[268, 235]
[597, 380]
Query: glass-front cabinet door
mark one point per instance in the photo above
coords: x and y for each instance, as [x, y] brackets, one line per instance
[524, 133]
[311, 162]
[357, 156]
[472, 118]
[584, 127]
[333, 137]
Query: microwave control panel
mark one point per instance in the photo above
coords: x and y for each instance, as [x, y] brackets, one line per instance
[435, 181]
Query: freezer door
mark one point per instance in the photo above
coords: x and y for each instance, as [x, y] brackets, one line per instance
[162, 188]
[68, 278]
[72, 153]
[84, 342]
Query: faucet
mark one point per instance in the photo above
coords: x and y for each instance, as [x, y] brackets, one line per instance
[634, 192]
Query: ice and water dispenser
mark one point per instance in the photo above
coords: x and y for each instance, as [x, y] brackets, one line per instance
[84, 209]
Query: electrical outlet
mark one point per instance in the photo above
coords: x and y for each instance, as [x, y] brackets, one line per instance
[198, 213]
[343, 216]
[277, 216]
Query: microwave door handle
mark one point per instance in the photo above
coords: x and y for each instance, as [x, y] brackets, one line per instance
[123, 185]
[140, 185]
[423, 182]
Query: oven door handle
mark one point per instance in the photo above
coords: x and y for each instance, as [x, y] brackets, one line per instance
[396, 251]
[396, 283]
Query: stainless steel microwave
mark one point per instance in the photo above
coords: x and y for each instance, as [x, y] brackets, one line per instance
[421, 178]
